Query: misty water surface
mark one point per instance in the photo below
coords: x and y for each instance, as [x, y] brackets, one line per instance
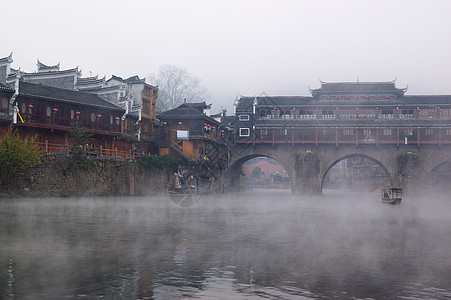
[263, 244]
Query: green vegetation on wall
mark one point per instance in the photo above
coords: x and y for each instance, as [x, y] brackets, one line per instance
[407, 165]
[17, 156]
[158, 162]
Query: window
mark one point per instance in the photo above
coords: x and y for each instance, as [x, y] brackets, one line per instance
[4, 102]
[406, 114]
[245, 132]
[366, 132]
[387, 114]
[285, 114]
[348, 131]
[306, 114]
[244, 118]
[265, 113]
[448, 131]
[428, 132]
[263, 131]
[327, 114]
[283, 131]
[387, 131]
[408, 132]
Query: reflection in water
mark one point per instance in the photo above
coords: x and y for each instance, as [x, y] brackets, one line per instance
[254, 245]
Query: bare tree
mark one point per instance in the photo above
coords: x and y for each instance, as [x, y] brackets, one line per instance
[175, 85]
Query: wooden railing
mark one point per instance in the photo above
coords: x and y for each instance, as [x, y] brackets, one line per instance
[50, 148]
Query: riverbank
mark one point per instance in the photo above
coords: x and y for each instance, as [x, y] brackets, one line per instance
[60, 175]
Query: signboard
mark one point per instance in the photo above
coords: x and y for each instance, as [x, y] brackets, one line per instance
[183, 135]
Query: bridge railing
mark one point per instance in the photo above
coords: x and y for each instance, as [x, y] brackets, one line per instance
[51, 148]
[437, 135]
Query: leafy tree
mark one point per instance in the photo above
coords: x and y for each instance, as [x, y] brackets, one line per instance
[17, 156]
[80, 136]
[175, 85]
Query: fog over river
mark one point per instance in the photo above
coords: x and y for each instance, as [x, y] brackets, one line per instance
[260, 244]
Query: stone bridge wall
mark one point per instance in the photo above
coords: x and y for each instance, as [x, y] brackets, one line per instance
[406, 165]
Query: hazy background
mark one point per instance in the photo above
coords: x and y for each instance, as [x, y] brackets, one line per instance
[239, 47]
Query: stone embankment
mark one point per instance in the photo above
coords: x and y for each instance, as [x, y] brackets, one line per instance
[61, 176]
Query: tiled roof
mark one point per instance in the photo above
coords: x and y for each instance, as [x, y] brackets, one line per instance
[184, 111]
[47, 92]
[7, 59]
[360, 87]
[135, 79]
[6, 88]
[245, 104]
[426, 99]
[43, 67]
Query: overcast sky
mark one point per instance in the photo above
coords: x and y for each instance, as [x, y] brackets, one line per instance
[239, 47]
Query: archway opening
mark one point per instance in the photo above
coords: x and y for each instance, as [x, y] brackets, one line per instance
[356, 173]
[258, 171]
[438, 179]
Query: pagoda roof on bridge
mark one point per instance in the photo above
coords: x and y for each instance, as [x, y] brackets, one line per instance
[341, 88]
[245, 103]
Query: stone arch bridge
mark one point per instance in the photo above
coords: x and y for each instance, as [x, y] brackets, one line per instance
[307, 165]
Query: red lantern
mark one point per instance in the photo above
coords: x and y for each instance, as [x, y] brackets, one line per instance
[180, 123]
[77, 113]
[387, 97]
[30, 106]
[99, 116]
[328, 97]
[55, 109]
[117, 118]
[347, 97]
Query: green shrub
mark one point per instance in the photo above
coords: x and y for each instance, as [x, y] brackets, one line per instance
[17, 156]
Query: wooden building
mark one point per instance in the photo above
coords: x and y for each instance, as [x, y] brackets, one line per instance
[191, 135]
[137, 98]
[49, 113]
[133, 96]
[345, 113]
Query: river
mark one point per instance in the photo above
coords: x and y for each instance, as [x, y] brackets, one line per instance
[260, 244]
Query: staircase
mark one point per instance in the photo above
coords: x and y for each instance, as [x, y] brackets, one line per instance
[179, 150]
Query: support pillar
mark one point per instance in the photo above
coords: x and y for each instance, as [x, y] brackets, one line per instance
[307, 174]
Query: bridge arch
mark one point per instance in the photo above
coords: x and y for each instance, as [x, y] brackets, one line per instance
[233, 171]
[385, 172]
[439, 177]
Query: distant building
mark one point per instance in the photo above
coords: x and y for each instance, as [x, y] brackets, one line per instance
[47, 75]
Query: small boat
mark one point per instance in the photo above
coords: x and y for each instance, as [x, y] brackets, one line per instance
[391, 195]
